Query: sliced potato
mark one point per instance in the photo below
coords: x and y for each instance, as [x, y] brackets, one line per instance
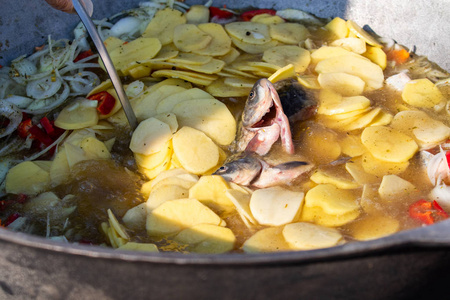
[356, 65]
[197, 14]
[283, 73]
[267, 19]
[136, 217]
[133, 246]
[164, 193]
[362, 34]
[379, 167]
[377, 56]
[81, 113]
[321, 176]
[150, 137]
[167, 104]
[214, 66]
[422, 93]
[393, 188]
[338, 27]
[94, 149]
[351, 145]
[249, 32]
[388, 144]
[210, 190]
[342, 83]
[355, 168]
[240, 82]
[208, 115]
[163, 24]
[196, 78]
[196, 152]
[167, 52]
[374, 227]
[191, 59]
[253, 48]
[155, 159]
[175, 215]
[241, 200]
[285, 55]
[306, 236]
[137, 50]
[220, 43]
[187, 37]
[207, 238]
[326, 52]
[332, 103]
[167, 174]
[37, 179]
[275, 206]
[309, 81]
[267, 240]
[230, 56]
[363, 120]
[355, 45]
[59, 170]
[328, 205]
[152, 173]
[170, 119]
[289, 33]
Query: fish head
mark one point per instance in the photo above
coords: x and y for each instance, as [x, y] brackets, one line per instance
[259, 103]
[241, 169]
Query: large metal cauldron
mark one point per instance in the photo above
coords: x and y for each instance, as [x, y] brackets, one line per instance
[409, 265]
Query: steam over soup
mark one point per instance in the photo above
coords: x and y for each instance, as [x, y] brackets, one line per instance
[259, 131]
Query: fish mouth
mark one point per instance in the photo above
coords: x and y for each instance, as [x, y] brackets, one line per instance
[268, 118]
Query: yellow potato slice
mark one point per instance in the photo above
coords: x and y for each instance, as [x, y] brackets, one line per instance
[351, 145]
[275, 206]
[167, 104]
[230, 56]
[163, 24]
[253, 48]
[426, 131]
[363, 120]
[326, 52]
[383, 118]
[267, 19]
[167, 52]
[135, 217]
[373, 227]
[150, 136]
[187, 37]
[283, 73]
[145, 105]
[207, 238]
[153, 160]
[241, 200]
[59, 170]
[136, 50]
[393, 188]
[152, 173]
[240, 82]
[388, 144]
[351, 115]
[196, 152]
[342, 83]
[195, 78]
[167, 174]
[184, 180]
[355, 168]
[191, 59]
[249, 32]
[175, 215]
[338, 27]
[328, 205]
[165, 193]
[422, 93]
[94, 149]
[267, 240]
[112, 43]
[210, 190]
[79, 114]
[214, 66]
[362, 34]
[144, 247]
[170, 119]
[379, 167]
[289, 33]
[306, 236]
[309, 81]
[37, 179]
[118, 228]
[285, 55]
[331, 103]
[377, 56]
[356, 65]
[220, 43]
[197, 14]
[321, 176]
[105, 85]
[232, 72]
[354, 45]
[208, 115]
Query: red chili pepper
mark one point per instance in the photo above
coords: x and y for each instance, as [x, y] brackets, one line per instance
[248, 15]
[220, 13]
[23, 130]
[427, 212]
[83, 55]
[105, 100]
[447, 157]
[47, 125]
[11, 219]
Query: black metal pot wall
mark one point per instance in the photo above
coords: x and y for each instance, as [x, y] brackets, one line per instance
[409, 265]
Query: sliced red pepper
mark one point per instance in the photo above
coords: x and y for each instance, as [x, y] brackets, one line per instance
[83, 55]
[41, 136]
[11, 219]
[248, 15]
[106, 102]
[220, 13]
[427, 212]
[23, 130]
[47, 125]
[447, 157]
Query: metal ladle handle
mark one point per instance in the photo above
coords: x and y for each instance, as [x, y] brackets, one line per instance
[79, 8]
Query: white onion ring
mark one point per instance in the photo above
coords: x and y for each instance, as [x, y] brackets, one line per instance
[11, 112]
[82, 83]
[57, 101]
[44, 88]
[20, 101]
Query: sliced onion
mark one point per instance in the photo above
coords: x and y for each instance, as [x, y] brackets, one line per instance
[19, 101]
[135, 88]
[55, 143]
[50, 103]
[44, 88]
[126, 26]
[441, 193]
[437, 168]
[82, 83]
[11, 112]
[23, 67]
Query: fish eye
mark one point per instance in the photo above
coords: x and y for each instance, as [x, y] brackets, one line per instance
[222, 168]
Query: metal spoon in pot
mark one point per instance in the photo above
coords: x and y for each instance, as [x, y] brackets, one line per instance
[81, 7]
